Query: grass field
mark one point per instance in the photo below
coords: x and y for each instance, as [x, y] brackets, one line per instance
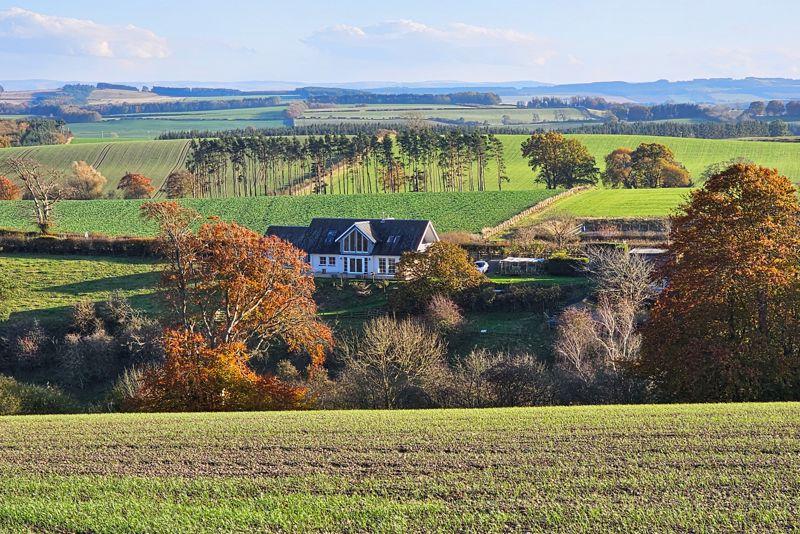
[44, 286]
[687, 468]
[449, 211]
[613, 203]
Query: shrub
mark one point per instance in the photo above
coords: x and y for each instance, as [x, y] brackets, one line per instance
[561, 264]
[393, 364]
[86, 183]
[88, 358]
[443, 315]
[26, 399]
[484, 379]
[32, 347]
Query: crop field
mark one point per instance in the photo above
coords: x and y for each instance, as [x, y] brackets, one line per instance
[155, 159]
[44, 286]
[686, 468]
[449, 211]
[489, 115]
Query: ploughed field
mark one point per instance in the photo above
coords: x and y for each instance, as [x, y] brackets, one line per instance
[449, 211]
[710, 468]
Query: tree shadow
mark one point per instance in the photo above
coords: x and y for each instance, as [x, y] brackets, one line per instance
[127, 282]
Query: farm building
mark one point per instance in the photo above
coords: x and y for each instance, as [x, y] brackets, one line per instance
[358, 247]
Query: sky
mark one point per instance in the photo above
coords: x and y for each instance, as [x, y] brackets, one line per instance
[410, 41]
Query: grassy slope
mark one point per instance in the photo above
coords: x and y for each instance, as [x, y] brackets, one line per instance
[449, 211]
[45, 286]
[619, 203]
[639, 468]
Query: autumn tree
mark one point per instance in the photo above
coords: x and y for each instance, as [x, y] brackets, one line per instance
[86, 182]
[727, 327]
[618, 168]
[442, 269]
[43, 185]
[195, 376]
[9, 190]
[234, 285]
[180, 184]
[654, 165]
[560, 161]
[134, 185]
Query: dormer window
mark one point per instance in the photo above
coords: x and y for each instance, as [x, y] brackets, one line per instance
[355, 242]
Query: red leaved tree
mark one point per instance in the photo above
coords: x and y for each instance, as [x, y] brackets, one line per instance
[9, 190]
[237, 289]
[727, 327]
[134, 185]
[197, 377]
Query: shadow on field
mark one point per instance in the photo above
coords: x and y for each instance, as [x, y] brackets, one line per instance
[128, 282]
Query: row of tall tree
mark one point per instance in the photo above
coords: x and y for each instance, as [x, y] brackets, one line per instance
[409, 160]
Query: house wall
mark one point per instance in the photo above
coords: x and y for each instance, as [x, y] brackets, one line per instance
[339, 269]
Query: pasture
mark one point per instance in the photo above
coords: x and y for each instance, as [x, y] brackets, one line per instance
[619, 203]
[45, 286]
[696, 468]
[449, 212]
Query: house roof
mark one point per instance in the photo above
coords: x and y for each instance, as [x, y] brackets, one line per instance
[392, 236]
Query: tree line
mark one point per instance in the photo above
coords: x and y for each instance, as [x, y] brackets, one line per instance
[702, 130]
[410, 160]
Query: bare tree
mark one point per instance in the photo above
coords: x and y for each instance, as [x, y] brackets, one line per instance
[391, 361]
[622, 277]
[44, 186]
[617, 339]
[576, 343]
[563, 232]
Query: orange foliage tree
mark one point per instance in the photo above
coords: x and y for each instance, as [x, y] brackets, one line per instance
[197, 377]
[727, 327]
[9, 190]
[238, 291]
[134, 185]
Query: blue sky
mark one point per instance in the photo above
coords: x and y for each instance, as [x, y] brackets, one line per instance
[409, 40]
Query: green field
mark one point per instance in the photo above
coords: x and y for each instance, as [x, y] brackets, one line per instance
[155, 159]
[685, 468]
[614, 203]
[449, 211]
[44, 286]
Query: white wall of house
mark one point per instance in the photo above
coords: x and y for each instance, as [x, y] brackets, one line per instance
[354, 265]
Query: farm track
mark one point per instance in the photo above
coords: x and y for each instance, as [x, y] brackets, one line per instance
[102, 156]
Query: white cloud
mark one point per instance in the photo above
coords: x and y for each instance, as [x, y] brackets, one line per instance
[27, 32]
[411, 41]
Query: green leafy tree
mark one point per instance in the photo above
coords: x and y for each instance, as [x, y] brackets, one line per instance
[561, 161]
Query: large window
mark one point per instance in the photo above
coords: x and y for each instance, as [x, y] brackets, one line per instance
[355, 242]
[387, 266]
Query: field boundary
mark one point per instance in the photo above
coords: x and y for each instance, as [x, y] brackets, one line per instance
[536, 208]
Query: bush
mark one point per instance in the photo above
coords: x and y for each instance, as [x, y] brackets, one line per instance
[17, 398]
[393, 364]
[560, 264]
[485, 379]
[443, 315]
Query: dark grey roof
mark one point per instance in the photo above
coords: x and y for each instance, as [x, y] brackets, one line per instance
[392, 236]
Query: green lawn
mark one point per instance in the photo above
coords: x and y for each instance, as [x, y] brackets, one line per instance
[45, 287]
[686, 468]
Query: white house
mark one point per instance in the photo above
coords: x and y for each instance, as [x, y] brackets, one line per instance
[363, 248]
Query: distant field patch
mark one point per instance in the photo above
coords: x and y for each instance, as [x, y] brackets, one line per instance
[449, 211]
